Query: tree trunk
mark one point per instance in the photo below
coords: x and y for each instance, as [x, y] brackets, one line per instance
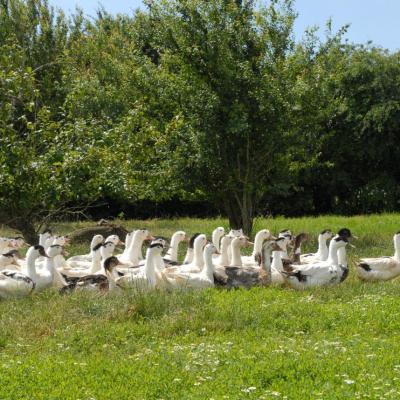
[27, 230]
[239, 217]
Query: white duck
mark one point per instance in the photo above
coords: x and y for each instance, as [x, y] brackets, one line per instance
[14, 244]
[223, 259]
[43, 279]
[172, 254]
[146, 278]
[328, 272]
[259, 239]
[190, 251]
[283, 242]
[198, 261]
[128, 241]
[99, 252]
[234, 233]
[322, 252]
[381, 268]
[96, 240]
[134, 253]
[14, 284]
[10, 260]
[199, 280]
[216, 236]
[4, 244]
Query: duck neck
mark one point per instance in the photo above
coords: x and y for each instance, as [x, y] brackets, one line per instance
[112, 277]
[30, 265]
[341, 253]
[96, 261]
[323, 251]
[198, 260]
[277, 260]
[224, 259]
[216, 236]
[189, 256]
[172, 252]
[296, 254]
[396, 250]
[149, 267]
[236, 258]
[333, 254]
[208, 271]
[42, 240]
[258, 241]
[135, 249]
[266, 260]
[49, 266]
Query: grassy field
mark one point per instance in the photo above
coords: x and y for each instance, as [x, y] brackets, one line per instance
[264, 343]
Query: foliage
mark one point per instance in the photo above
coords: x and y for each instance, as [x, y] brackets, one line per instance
[192, 101]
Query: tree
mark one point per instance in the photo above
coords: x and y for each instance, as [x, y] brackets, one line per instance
[227, 60]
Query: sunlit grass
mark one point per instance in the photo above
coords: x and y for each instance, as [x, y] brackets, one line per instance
[270, 343]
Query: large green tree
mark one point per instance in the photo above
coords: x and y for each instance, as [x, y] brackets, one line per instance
[228, 62]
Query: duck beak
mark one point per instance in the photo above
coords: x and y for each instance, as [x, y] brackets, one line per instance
[217, 252]
[121, 242]
[352, 245]
[354, 236]
[150, 237]
[43, 253]
[248, 243]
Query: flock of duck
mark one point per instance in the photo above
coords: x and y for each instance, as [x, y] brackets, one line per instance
[207, 263]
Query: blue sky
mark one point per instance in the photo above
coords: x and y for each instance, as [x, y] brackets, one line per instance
[376, 20]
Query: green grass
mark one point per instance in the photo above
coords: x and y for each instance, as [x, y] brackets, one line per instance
[264, 343]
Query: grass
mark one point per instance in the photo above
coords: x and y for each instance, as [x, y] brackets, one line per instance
[264, 343]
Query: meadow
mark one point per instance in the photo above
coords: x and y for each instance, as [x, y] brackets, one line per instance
[263, 343]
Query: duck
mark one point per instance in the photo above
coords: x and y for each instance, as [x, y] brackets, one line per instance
[96, 282]
[285, 232]
[128, 241]
[44, 236]
[96, 240]
[381, 268]
[346, 233]
[326, 273]
[4, 244]
[99, 252]
[322, 252]
[283, 241]
[222, 259]
[146, 278]
[249, 276]
[234, 233]
[44, 278]
[133, 255]
[16, 243]
[14, 284]
[190, 250]
[171, 257]
[10, 260]
[195, 280]
[198, 261]
[298, 241]
[216, 236]
[259, 239]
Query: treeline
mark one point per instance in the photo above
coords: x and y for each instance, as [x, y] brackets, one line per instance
[192, 107]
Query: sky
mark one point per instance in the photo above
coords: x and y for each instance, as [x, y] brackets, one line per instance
[374, 20]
